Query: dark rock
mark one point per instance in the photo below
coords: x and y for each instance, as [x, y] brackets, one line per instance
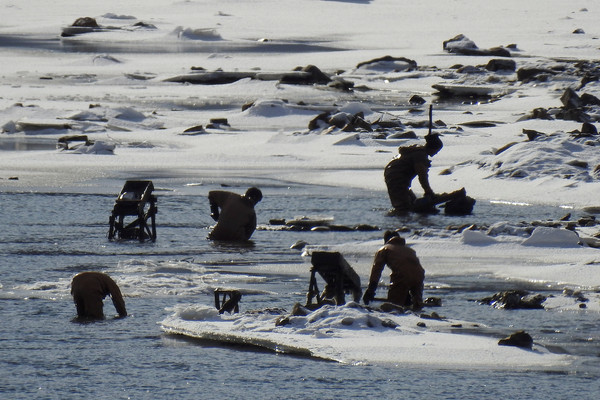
[282, 321]
[412, 64]
[501, 65]
[403, 135]
[574, 114]
[578, 164]
[299, 245]
[499, 52]
[312, 75]
[144, 25]
[417, 100]
[515, 299]
[459, 41]
[529, 74]
[339, 228]
[341, 84]
[195, 129]
[533, 134]
[433, 315]
[433, 302]
[319, 121]
[211, 77]
[365, 228]
[219, 121]
[587, 78]
[388, 323]
[578, 31]
[589, 99]
[565, 217]
[469, 69]
[570, 99]
[589, 128]
[587, 221]
[460, 44]
[540, 113]
[391, 307]
[88, 22]
[299, 310]
[519, 339]
[504, 148]
[479, 124]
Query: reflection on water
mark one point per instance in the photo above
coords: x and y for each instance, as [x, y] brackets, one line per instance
[26, 144]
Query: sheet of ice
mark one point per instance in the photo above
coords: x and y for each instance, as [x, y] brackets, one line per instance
[357, 335]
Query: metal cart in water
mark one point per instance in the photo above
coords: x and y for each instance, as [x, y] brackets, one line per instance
[134, 213]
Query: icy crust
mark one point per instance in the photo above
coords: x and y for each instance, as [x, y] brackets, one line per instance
[354, 334]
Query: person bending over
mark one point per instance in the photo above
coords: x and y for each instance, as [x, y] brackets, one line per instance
[89, 289]
[411, 162]
[235, 215]
[407, 274]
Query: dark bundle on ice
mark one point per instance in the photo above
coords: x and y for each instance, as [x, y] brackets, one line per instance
[460, 44]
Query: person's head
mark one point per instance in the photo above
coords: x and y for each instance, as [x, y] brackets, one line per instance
[254, 195]
[433, 143]
[387, 235]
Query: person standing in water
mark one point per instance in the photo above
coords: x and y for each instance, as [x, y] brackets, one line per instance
[413, 161]
[235, 215]
[89, 290]
[406, 279]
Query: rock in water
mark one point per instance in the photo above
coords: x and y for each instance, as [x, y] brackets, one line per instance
[518, 339]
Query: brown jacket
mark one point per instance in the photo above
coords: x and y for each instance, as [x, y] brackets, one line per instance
[402, 260]
[412, 162]
[89, 289]
[237, 218]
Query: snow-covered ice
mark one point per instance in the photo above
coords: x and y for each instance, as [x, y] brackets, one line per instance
[113, 85]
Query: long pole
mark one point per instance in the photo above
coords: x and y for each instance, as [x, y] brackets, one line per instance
[430, 117]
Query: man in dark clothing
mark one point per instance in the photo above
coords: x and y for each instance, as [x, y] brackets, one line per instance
[235, 215]
[89, 289]
[411, 162]
[407, 273]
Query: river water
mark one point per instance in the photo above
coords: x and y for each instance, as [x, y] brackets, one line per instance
[46, 238]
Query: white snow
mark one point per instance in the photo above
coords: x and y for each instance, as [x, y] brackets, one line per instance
[112, 88]
[356, 335]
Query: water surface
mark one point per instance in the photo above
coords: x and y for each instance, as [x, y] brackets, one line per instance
[47, 238]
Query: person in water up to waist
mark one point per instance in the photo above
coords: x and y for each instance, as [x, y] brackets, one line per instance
[235, 215]
[89, 289]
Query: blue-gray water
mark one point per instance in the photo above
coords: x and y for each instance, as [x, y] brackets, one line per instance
[46, 238]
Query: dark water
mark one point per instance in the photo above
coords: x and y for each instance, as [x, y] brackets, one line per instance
[46, 238]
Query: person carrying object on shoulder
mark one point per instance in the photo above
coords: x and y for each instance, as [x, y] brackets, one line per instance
[413, 161]
[235, 215]
[89, 289]
[406, 279]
